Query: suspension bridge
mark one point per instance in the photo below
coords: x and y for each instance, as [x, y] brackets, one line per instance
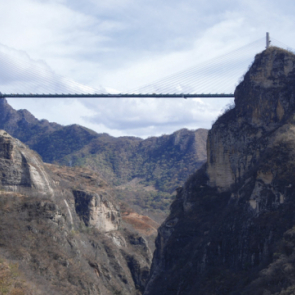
[118, 95]
[215, 78]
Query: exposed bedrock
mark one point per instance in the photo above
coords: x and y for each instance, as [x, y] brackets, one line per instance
[96, 210]
[264, 101]
[21, 168]
[231, 226]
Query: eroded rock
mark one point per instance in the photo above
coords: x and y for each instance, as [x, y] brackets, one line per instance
[96, 210]
[21, 168]
[231, 226]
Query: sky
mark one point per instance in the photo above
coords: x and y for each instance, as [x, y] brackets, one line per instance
[71, 46]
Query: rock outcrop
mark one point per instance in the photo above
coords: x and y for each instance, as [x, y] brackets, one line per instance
[264, 101]
[61, 230]
[21, 168]
[231, 227]
[96, 210]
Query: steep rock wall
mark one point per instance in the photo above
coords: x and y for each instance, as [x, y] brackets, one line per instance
[263, 101]
[231, 226]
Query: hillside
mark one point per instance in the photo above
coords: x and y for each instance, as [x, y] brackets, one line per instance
[38, 134]
[61, 231]
[145, 173]
[231, 227]
[163, 162]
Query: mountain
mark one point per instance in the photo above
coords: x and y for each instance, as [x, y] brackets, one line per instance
[24, 126]
[162, 161]
[144, 172]
[231, 228]
[61, 231]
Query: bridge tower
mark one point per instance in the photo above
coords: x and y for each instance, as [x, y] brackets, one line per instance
[267, 40]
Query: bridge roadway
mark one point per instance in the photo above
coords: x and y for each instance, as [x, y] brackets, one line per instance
[119, 95]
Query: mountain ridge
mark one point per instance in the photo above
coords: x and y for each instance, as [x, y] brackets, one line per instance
[160, 162]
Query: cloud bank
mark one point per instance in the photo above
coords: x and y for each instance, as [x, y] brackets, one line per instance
[100, 46]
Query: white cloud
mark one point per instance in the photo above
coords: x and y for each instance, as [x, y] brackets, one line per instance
[125, 44]
[21, 74]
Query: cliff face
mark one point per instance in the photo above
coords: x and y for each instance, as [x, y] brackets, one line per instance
[21, 168]
[96, 210]
[231, 227]
[264, 101]
[61, 231]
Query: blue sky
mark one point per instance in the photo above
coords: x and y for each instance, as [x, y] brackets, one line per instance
[122, 45]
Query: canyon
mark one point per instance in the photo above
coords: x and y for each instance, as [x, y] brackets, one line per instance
[231, 225]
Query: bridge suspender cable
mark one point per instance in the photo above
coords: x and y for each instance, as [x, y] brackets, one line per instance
[216, 75]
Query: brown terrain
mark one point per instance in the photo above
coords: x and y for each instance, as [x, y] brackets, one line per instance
[84, 178]
[61, 231]
[143, 172]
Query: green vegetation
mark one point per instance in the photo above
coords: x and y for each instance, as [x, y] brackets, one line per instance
[144, 172]
[10, 279]
[161, 163]
[154, 200]
[158, 162]
[62, 142]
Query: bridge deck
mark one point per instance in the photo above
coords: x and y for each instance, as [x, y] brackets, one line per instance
[119, 95]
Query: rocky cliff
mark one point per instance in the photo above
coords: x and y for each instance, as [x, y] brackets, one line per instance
[21, 168]
[61, 232]
[150, 168]
[231, 228]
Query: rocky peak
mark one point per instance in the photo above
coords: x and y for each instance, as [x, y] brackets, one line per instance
[23, 125]
[266, 96]
[231, 226]
[264, 101]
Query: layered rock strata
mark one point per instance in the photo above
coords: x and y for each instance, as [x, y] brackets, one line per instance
[62, 230]
[231, 227]
[21, 168]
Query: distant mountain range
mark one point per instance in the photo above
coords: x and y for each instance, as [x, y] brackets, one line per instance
[144, 171]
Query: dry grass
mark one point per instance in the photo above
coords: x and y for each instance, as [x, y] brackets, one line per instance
[273, 48]
[143, 224]
[11, 281]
